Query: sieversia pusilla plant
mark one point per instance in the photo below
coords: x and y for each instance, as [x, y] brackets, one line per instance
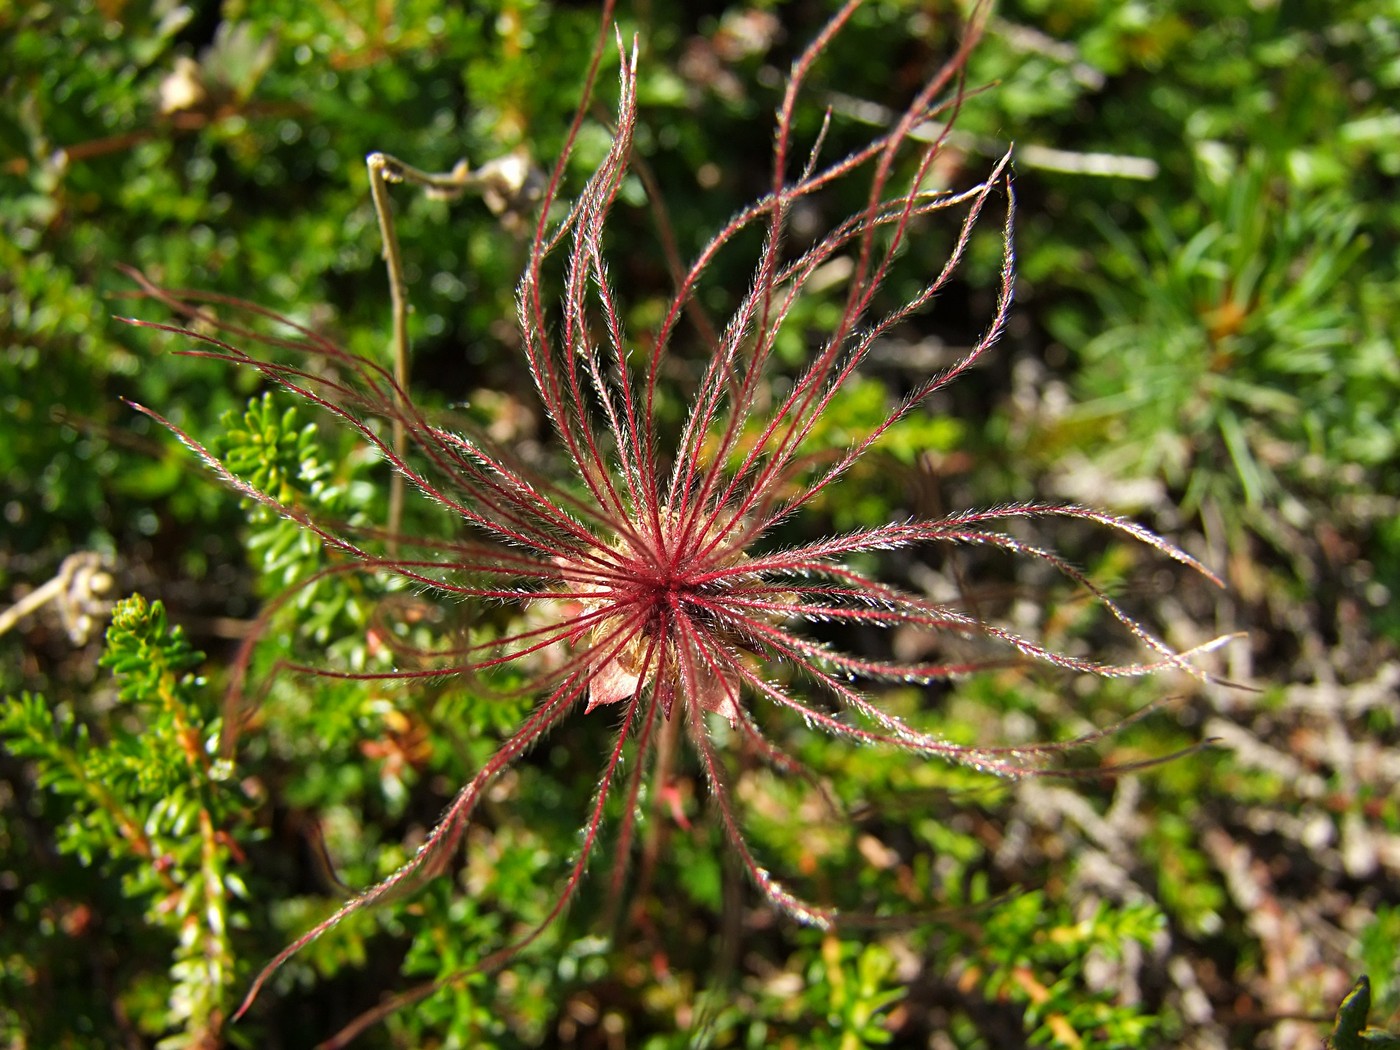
[645, 564]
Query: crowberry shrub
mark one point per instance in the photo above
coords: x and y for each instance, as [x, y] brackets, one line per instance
[640, 555]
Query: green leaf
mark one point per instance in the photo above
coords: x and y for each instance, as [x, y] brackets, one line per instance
[1351, 1031]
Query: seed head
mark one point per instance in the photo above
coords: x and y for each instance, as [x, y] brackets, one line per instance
[643, 561]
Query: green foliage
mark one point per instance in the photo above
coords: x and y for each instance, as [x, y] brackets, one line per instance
[151, 804]
[1227, 325]
[856, 986]
[323, 619]
[1241, 281]
[1227, 322]
[1034, 954]
[1351, 1031]
[1378, 953]
[274, 452]
[228, 155]
[1242, 352]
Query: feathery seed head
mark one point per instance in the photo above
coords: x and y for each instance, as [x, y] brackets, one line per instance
[636, 591]
[641, 560]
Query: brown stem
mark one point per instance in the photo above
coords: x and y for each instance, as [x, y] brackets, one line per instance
[384, 169]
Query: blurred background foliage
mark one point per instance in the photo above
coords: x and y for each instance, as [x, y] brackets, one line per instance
[1205, 338]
